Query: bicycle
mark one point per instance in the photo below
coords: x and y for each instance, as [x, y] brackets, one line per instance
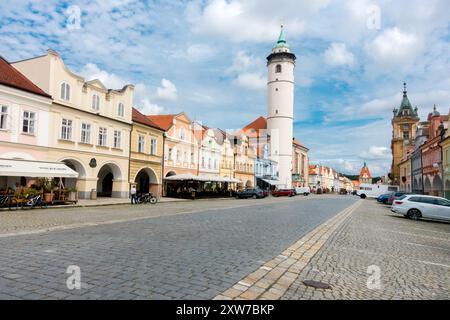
[36, 201]
[147, 198]
[8, 201]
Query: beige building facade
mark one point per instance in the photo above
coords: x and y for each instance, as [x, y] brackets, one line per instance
[89, 126]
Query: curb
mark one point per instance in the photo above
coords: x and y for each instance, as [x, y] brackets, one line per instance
[274, 278]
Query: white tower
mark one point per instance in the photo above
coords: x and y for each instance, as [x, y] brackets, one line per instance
[280, 107]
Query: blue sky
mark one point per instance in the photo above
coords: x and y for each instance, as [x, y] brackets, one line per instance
[207, 58]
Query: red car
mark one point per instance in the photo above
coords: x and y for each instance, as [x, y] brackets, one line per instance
[283, 193]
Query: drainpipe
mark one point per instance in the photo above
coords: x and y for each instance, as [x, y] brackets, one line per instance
[163, 189]
[421, 169]
[129, 160]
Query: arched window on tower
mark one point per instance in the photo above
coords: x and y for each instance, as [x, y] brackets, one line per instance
[278, 68]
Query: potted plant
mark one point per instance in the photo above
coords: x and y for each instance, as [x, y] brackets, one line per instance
[72, 194]
[47, 186]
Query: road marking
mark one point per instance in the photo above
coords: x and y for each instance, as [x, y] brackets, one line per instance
[424, 245]
[412, 234]
[434, 264]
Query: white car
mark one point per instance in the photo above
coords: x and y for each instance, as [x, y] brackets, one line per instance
[416, 206]
[303, 190]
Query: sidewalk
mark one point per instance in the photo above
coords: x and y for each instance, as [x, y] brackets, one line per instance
[363, 253]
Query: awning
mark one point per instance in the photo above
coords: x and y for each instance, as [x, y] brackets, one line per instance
[35, 169]
[272, 182]
[204, 178]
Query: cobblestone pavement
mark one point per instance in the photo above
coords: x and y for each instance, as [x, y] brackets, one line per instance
[41, 220]
[413, 258]
[165, 255]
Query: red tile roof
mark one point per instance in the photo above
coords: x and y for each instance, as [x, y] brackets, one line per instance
[11, 77]
[163, 121]
[258, 124]
[142, 119]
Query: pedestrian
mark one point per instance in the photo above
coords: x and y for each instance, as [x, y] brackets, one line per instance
[133, 194]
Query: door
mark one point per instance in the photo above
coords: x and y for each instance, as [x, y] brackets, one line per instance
[428, 207]
[442, 209]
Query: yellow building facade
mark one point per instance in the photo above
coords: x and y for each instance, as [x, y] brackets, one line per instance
[146, 155]
[244, 161]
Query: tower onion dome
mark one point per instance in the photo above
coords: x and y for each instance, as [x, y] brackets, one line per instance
[281, 50]
[435, 112]
[405, 106]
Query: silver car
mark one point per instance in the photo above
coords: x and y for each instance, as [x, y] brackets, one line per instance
[420, 206]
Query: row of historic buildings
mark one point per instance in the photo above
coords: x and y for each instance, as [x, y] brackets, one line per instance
[420, 150]
[322, 177]
[48, 113]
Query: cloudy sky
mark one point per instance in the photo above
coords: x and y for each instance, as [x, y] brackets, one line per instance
[207, 58]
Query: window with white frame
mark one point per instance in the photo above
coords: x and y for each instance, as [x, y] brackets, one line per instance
[65, 91]
[185, 157]
[85, 133]
[203, 162]
[66, 129]
[29, 121]
[153, 144]
[192, 157]
[117, 139]
[95, 102]
[141, 143]
[120, 110]
[178, 155]
[182, 134]
[3, 117]
[102, 136]
[170, 154]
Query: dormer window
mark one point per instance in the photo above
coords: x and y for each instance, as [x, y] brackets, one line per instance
[95, 102]
[278, 68]
[120, 110]
[65, 91]
[405, 112]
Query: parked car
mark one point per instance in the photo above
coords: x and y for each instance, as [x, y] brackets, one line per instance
[250, 193]
[302, 190]
[283, 193]
[420, 206]
[384, 197]
[395, 195]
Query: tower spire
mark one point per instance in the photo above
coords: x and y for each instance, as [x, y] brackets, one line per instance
[282, 37]
[404, 89]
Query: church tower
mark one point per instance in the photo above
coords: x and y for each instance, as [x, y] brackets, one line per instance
[404, 130]
[280, 107]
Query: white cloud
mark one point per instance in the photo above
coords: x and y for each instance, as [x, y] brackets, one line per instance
[143, 100]
[376, 153]
[251, 81]
[199, 52]
[142, 94]
[148, 108]
[201, 98]
[167, 91]
[249, 20]
[394, 47]
[338, 55]
[244, 62]
[91, 71]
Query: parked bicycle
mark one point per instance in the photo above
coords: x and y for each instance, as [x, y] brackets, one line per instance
[147, 198]
[9, 201]
[34, 202]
